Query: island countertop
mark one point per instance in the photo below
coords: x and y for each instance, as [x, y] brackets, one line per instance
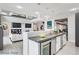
[46, 38]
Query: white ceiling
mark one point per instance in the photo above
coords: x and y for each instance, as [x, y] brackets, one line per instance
[44, 8]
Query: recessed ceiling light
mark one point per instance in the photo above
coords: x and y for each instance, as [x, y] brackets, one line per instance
[73, 9]
[3, 13]
[37, 12]
[11, 13]
[19, 7]
[47, 16]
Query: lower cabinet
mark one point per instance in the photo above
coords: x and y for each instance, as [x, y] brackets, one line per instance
[16, 37]
[34, 48]
[50, 47]
[53, 46]
[58, 43]
[64, 39]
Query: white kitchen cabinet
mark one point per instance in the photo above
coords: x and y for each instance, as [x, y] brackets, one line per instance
[58, 43]
[34, 48]
[25, 43]
[53, 46]
[64, 39]
[16, 37]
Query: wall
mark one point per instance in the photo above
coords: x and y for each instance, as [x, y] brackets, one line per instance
[8, 20]
[46, 29]
[44, 19]
[71, 28]
[4, 21]
[71, 25]
[6, 39]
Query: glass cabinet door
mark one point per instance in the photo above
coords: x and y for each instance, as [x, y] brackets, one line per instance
[46, 50]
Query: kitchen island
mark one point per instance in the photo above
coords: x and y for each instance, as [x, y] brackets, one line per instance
[47, 45]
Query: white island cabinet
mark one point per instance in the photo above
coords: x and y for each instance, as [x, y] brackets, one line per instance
[53, 46]
[64, 39]
[34, 48]
[58, 43]
[25, 43]
[49, 45]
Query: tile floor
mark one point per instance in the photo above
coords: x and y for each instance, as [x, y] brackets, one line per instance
[69, 49]
[13, 49]
[17, 49]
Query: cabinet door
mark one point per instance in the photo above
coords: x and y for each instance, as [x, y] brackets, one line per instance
[16, 37]
[58, 43]
[46, 50]
[64, 39]
[53, 46]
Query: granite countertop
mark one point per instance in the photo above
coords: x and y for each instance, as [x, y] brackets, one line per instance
[46, 38]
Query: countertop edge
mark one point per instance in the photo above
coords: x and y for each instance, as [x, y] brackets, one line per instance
[47, 39]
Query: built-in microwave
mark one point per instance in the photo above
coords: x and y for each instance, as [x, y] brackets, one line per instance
[27, 25]
[16, 25]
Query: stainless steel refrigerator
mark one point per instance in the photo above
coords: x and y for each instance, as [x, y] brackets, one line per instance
[1, 38]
